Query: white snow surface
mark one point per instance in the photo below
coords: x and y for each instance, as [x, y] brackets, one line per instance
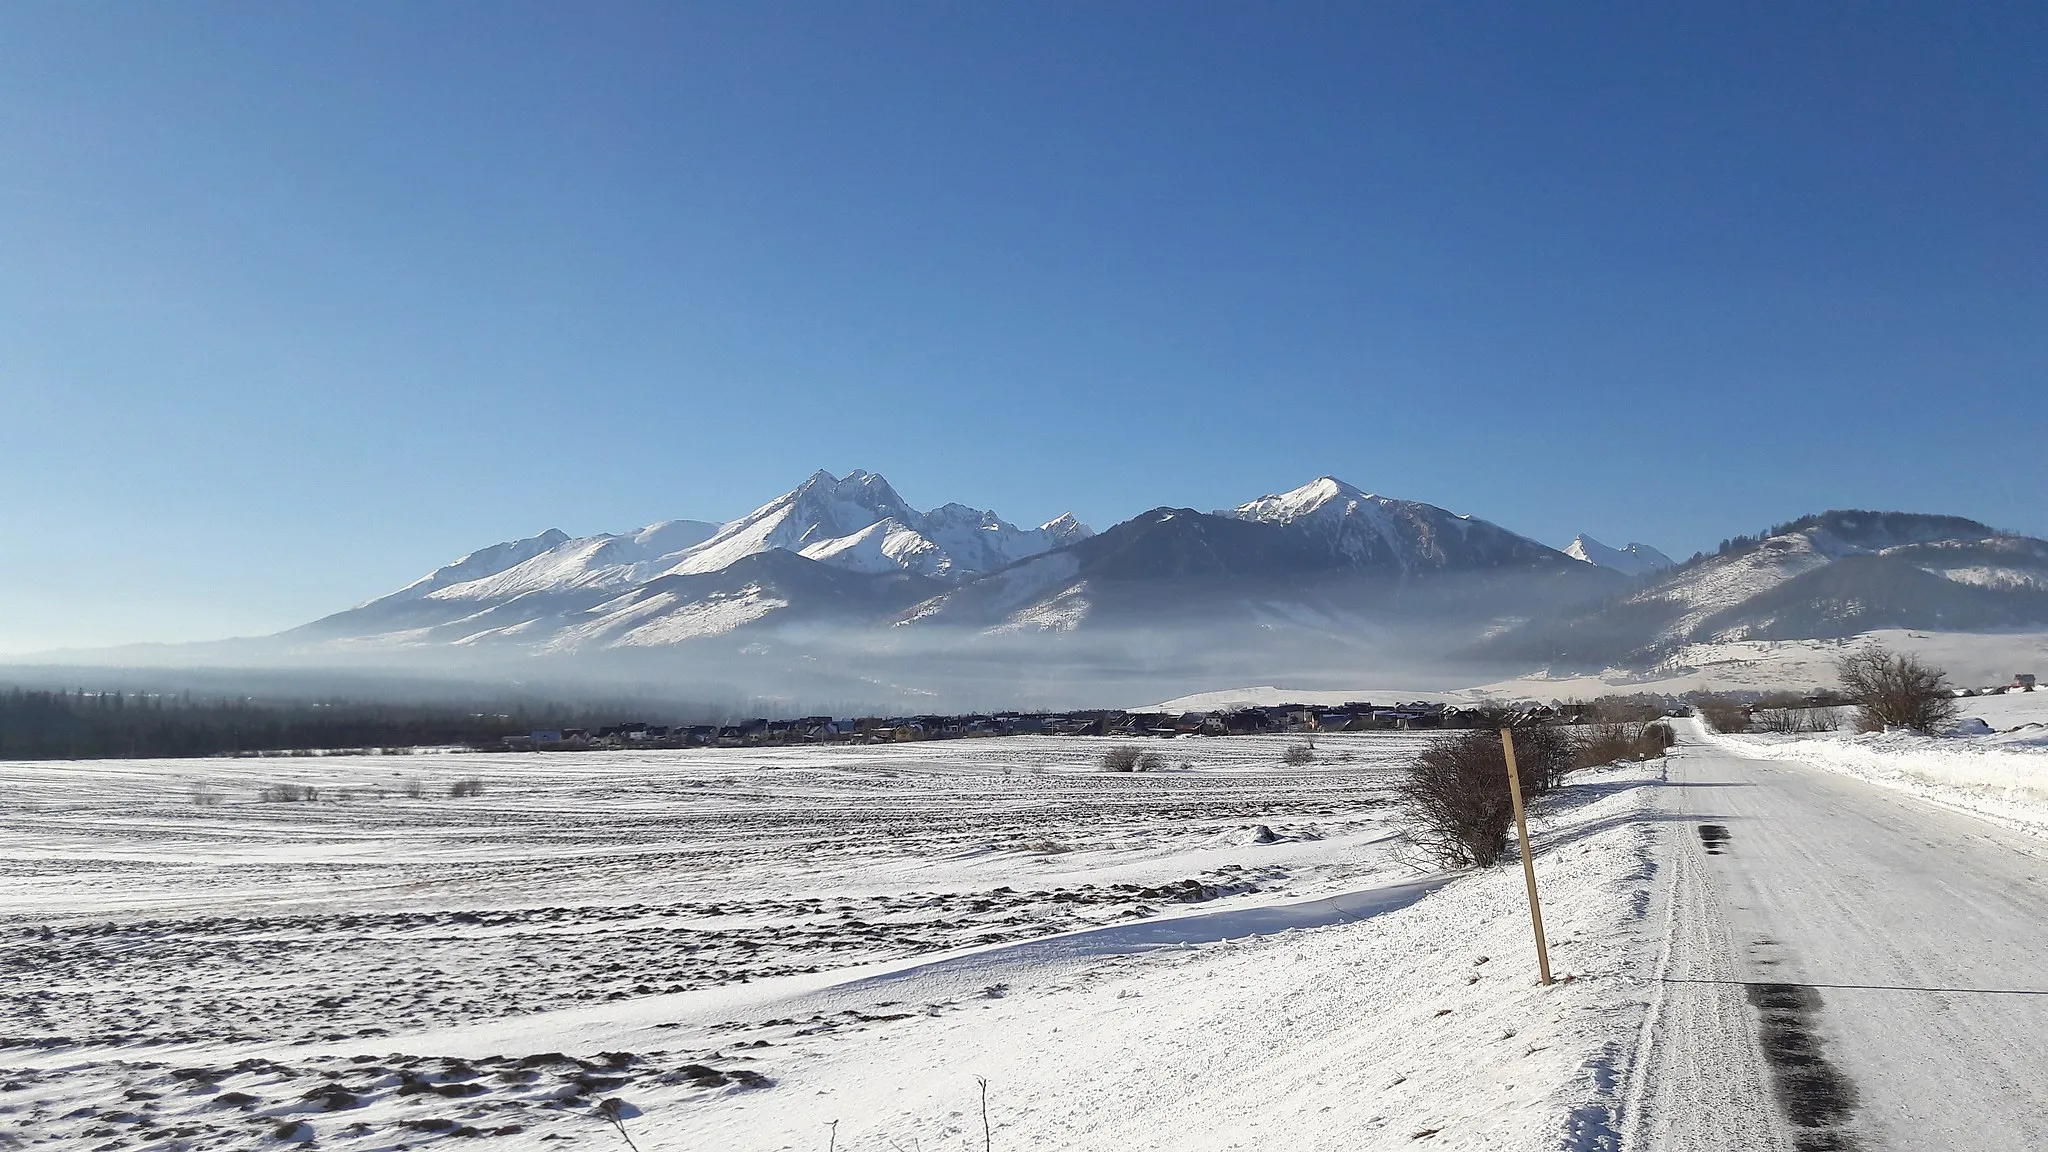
[749, 947]
[1632, 558]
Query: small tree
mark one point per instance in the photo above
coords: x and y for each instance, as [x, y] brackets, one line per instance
[1895, 690]
[1300, 753]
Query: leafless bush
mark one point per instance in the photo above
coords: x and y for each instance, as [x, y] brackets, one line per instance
[414, 789]
[287, 793]
[1605, 742]
[1797, 721]
[1543, 754]
[1895, 690]
[464, 788]
[1299, 753]
[1122, 758]
[1723, 714]
[1455, 795]
[206, 797]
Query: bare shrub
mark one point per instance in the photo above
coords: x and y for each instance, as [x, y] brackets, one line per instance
[1608, 741]
[287, 793]
[414, 789]
[1724, 714]
[1150, 762]
[1300, 753]
[1122, 758]
[206, 797]
[1797, 721]
[1896, 690]
[1456, 799]
[465, 788]
[1543, 754]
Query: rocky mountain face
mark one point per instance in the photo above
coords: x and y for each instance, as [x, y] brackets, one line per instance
[1632, 559]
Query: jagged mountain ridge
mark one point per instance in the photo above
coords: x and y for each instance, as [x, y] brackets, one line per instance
[528, 590]
[842, 574]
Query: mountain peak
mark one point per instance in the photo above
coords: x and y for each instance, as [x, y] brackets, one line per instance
[1313, 496]
[1634, 559]
[1065, 529]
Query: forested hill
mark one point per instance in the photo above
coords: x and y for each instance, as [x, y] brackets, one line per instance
[52, 725]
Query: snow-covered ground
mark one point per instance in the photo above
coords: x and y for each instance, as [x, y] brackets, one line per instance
[2000, 772]
[747, 947]
[1972, 659]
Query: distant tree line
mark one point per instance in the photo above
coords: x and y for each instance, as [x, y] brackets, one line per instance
[76, 724]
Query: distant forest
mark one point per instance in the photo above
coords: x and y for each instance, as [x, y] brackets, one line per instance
[60, 725]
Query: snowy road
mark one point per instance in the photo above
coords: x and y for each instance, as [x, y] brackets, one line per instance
[1890, 957]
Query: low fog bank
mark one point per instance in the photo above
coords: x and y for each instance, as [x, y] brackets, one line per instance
[793, 672]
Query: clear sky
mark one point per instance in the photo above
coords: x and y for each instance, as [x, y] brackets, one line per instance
[299, 300]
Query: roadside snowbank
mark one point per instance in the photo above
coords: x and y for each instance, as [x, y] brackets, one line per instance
[2002, 777]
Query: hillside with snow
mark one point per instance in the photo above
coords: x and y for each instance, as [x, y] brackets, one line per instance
[1827, 576]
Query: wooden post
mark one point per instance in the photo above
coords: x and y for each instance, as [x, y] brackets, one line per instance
[1507, 745]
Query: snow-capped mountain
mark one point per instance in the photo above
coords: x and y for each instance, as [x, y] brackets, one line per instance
[541, 591]
[1632, 559]
[1367, 531]
[1325, 558]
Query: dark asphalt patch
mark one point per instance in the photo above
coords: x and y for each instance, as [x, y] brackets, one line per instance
[1812, 1093]
[1715, 837]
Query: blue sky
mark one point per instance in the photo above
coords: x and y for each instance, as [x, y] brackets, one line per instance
[298, 301]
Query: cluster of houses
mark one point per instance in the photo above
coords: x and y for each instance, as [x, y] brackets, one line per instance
[1357, 716]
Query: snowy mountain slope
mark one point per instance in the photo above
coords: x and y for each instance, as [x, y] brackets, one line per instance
[1827, 576]
[484, 562]
[1633, 559]
[539, 592]
[1317, 567]
[603, 561]
[772, 587]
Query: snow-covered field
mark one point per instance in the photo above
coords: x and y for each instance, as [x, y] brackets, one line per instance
[2000, 772]
[1972, 659]
[745, 947]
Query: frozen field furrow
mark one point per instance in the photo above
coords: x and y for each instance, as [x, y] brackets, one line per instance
[163, 914]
